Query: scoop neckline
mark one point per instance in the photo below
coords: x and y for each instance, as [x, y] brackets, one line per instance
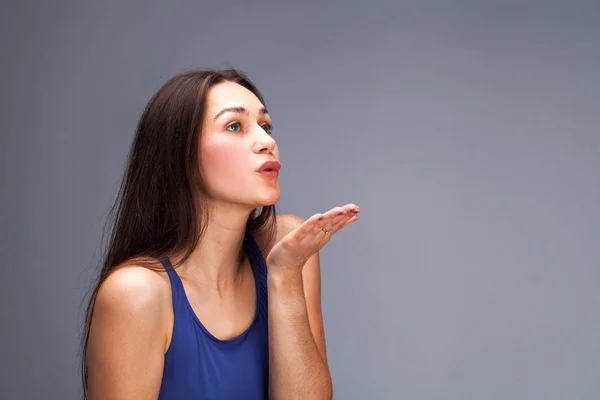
[197, 320]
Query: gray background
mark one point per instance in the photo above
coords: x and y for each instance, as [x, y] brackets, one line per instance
[467, 131]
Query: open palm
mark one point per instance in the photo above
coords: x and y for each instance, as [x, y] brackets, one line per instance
[295, 248]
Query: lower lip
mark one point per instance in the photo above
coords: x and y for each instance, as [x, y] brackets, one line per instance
[270, 174]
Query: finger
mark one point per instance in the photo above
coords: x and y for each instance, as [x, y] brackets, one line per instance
[340, 219]
[351, 220]
[353, 214]
[323, 232]
[336, 218]
[309, 226]
[334, 212]
[333, 218]
[352, 208]
[329, 222]
[344, 214]
[341, 210]
[344, 220]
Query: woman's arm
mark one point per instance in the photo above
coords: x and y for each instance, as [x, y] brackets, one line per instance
[298, 360]
[128, 336]
[298, 364]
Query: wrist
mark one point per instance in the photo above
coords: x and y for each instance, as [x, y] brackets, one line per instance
[284, 277]
[286, 293]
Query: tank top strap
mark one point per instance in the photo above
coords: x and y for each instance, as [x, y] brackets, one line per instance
[254, 253]
[259, 269]
[177, 290]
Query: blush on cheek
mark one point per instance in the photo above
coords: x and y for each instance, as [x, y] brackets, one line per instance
[225, 167]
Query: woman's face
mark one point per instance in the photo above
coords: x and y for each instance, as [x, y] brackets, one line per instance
[235, 143]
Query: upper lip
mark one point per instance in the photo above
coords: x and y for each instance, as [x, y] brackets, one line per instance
[272, 165]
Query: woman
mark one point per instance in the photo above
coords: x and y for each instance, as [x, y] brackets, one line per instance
[199, 195]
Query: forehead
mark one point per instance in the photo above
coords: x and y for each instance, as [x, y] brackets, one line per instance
[230, 94]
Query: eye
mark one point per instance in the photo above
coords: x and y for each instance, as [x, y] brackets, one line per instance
[234, 127]
[267, 127]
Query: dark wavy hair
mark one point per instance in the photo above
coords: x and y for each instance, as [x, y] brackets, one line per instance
[157, 210]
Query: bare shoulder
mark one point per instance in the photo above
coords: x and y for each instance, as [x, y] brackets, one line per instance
[134, 297]
[134, 287]
[129, 334]
[287, 223]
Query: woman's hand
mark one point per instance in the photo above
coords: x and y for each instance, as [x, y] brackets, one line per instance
[291, 253]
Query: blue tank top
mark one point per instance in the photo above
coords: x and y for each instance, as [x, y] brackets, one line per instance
[198, 365]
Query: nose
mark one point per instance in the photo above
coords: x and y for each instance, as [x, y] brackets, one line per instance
[264, 142]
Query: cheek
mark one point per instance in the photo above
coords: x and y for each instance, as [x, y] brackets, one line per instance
[224, 163]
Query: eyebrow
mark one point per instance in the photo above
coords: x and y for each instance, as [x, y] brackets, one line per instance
[239, 110]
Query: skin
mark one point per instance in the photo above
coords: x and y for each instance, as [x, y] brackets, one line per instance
[133, 317]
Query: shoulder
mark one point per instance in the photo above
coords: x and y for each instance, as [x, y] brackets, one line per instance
[133, 290]
[287, 223]
[129, 333]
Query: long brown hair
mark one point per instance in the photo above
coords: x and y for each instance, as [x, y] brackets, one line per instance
[156, 211]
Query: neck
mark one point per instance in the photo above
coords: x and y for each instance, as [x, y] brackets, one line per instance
[216, 259]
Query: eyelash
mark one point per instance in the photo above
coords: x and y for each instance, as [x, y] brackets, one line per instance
[269, 127]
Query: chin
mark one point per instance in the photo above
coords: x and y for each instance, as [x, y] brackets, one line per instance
[269, 200]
